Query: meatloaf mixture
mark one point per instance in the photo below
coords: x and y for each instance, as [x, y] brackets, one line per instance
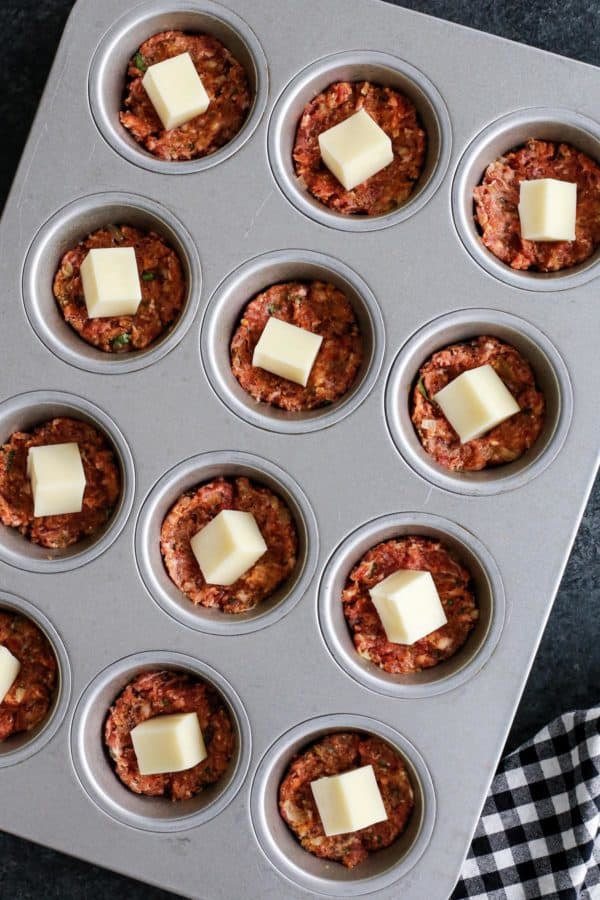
[395, 114]
[224, 80]
[333, 755]
[165, 693]
[102, 489]
[195, 509]
[453, 583]
[29, 699]
[497, 199]
[161, 279]
[502, 444]
[315, 306]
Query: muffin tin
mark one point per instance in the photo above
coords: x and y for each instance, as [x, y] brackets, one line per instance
[351, 473]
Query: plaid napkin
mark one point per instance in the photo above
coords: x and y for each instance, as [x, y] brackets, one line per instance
[539, 833]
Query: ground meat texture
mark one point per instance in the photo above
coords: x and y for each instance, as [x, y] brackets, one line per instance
[30, 697]
[102, 490]
[318, 307]
[395, 114]
[161, 279]
[453, 583]
[224, 80]
[165, 693]
[197, 508]
[497, 199]
[333, 755]
[502, 444]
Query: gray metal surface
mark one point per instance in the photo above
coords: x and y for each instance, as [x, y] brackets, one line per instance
[417, 270]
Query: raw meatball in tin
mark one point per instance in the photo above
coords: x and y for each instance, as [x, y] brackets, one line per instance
[224, 80]
[395, 114]
[453, 583]
[502, 444]
[195, 509]
[497, 199]
[316, 306]
[333, 755]
[30, 697]
[166, 693]
[161, 279]
[102, 490]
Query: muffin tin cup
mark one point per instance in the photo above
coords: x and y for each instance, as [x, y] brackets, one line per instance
[62, 232]
[378, 68]
[498, 138]
[21, 746]
[488, 589]
[192, 473]
[26, 411]
[94, 768]
[320, 876]
[225, 308]
[108, 70]
[551, 376]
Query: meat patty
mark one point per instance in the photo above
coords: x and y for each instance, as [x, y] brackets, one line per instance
[318, 307]
[30, 697]
[224, 80]
[102, 488]
[502, 444]
[165, 693]
[161, 279]
[332, 755]
[453, 583]
[195, 509]
[395, 114]
[497, 199]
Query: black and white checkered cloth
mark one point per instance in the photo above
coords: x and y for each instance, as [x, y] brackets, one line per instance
[539, 833]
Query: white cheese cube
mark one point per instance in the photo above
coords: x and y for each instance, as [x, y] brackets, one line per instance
[110, 281]
[475, 402]
[408, 605]
[348, 802]
[9, 669]
[171, 743]
[547, 209]
[176, 90]
[228, 546]
[355, 149]
[57, 479]
[287, 350]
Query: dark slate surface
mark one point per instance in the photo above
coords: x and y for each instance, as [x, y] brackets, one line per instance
[566, 673]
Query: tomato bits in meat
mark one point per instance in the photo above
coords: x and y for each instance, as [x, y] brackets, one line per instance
[167, 693]
[318, 307]
[224, 80]
[30, 697]
[453, 584]
[497, 200]
[395, 114]
[503, 444]
[161, 279]
[333, 755]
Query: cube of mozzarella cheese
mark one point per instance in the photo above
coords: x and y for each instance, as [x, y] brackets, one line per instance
[547, 209]
[171, 743]
[57, 479]
[176, 90]
[355, 149]
[9, 669]
[287, 351]
[111, 284]
[228, 546]
[476, 402]
[348, 802]
[408, 605]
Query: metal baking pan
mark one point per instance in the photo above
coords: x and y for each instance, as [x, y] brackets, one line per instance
[353, 474]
